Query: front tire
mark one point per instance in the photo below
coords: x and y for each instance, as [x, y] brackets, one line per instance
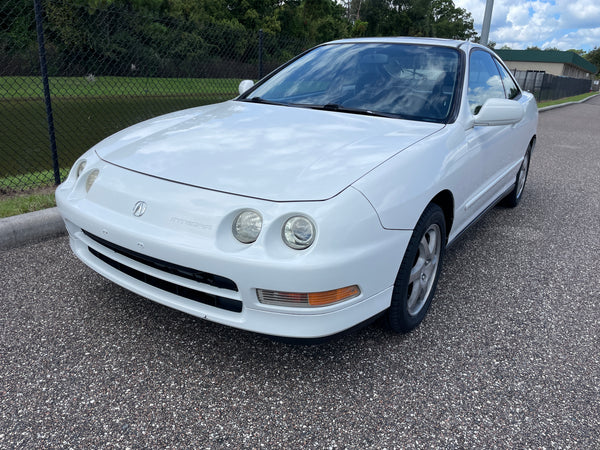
[514, 197]
[419, 272]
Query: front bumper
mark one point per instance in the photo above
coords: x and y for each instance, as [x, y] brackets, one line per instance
[190, 228]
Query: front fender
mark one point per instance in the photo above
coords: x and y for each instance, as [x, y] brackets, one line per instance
[402, 187]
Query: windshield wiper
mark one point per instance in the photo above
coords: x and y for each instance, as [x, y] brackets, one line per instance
[343, 109]
[327, 107]
[263, 101]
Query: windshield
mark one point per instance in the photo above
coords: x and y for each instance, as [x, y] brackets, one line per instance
[396, 80]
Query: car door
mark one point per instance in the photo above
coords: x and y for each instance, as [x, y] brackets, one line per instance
[494, 144]
[509, 159]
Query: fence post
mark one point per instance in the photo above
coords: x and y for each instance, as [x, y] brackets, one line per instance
[260, 54]
[44, 70]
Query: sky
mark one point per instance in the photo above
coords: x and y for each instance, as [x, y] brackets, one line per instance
[562, 24]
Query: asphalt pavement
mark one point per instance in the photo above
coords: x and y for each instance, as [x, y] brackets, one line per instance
[508, 357]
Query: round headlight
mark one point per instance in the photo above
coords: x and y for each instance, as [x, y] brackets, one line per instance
[298, 232]
[246, 226]
[90, 179]
[79, 169]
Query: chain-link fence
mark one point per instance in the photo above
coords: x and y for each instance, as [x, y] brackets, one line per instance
[71, 75]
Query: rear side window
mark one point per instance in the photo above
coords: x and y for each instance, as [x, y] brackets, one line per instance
[511, 88]
[484, 80]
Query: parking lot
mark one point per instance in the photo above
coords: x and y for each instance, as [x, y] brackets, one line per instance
[508, 357]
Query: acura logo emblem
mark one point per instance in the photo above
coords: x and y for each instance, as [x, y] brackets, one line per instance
[139, 209]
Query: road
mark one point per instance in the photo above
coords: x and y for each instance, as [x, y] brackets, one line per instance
[508, 357]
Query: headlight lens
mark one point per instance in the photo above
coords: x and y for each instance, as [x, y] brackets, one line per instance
[90, 179]
[79, 169]
[298, 232]
[246, 226]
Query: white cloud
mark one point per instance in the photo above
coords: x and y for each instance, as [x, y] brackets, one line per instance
[586, 38]
[526, 24]
[579, 14]
[545, 23]
[518, 15]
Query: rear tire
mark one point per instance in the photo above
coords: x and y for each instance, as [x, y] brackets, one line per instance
[419, 272]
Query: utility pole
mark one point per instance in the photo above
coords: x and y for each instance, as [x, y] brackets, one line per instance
[487, 19]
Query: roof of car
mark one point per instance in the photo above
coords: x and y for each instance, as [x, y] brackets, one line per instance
[403, 40]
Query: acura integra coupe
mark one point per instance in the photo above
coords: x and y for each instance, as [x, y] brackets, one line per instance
[320, 198]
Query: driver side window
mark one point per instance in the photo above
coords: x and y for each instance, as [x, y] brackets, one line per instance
[484, 80]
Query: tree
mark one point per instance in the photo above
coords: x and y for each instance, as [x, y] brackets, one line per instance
[174, 37]
[424, 18]
[578, 51]
[593, 56]
[450, 21]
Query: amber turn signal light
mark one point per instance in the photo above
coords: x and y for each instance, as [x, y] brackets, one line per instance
[307, 299]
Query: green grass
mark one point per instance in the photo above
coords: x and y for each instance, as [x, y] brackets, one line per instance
[85, 111]
[20, 204]
[566, 100]
[61, 87]
[13, 184]
[80, 122]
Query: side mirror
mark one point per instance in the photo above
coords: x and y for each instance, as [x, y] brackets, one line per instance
[245, 85]
[499, 111]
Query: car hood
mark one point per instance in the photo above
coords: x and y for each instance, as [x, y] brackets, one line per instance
[263, 151]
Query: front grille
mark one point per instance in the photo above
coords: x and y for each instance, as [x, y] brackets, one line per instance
[173, 288]
[174, 269]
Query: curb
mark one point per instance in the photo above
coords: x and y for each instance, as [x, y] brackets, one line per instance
[29, 228]
[548, 108]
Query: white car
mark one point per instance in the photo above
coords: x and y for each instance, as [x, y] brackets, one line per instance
[320, 198]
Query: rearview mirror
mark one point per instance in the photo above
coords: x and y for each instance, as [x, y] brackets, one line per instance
[245, 85]
[499, 111]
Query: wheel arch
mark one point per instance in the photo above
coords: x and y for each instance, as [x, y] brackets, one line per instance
[532, 143]
[445, 200]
